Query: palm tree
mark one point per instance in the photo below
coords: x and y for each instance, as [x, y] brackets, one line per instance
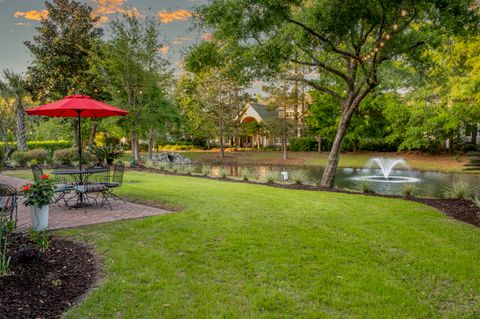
[13, 87]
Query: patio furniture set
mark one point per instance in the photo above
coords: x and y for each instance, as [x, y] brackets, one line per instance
[81, 188]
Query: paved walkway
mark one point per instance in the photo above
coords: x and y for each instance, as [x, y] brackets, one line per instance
[60, 217]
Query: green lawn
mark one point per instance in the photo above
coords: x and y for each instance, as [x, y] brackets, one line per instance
[248, 251]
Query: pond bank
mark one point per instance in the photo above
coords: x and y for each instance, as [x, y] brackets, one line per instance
[463, 210]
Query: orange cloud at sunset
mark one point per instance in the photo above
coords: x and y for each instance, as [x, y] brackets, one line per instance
[170, 16]
[107, 7]
[35, 15]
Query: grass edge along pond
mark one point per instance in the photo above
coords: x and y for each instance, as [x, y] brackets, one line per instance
[241, 250]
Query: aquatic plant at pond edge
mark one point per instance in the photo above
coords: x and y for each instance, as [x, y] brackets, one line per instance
[459, 190]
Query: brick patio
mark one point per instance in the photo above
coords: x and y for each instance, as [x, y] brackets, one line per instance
[60, 217]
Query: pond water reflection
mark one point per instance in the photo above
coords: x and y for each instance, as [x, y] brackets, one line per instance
[429, 183]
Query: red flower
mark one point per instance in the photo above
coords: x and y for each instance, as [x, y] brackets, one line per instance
[44, 176]
[26, 187]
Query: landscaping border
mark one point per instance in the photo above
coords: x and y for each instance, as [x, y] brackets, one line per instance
[50, 283]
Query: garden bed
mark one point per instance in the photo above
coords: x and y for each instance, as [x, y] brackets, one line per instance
[460, 209]
[44, 287]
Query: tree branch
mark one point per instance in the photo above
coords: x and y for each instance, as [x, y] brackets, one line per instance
[316, 86]
[328, 68]
[322, 38]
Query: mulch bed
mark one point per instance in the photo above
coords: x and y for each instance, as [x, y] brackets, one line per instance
[463, 210]
[44, 285]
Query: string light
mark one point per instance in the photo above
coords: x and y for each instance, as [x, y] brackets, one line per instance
[381, 45]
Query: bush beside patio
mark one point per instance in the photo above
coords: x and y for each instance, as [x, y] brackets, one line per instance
[240, 250]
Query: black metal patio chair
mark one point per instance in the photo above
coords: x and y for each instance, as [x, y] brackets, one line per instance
[8, 204]
[115, 182]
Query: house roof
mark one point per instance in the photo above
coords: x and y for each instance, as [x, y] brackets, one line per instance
[264, 111]
[259, 112]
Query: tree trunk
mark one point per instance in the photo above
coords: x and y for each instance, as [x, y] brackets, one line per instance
[21, 127]
[284, 148]
[319, 143]
[150, 145]
[135, 147]
[474, 134]
[222, 150]
[93, 131]
[330, 169]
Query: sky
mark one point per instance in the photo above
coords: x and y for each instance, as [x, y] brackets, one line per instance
[18, 19]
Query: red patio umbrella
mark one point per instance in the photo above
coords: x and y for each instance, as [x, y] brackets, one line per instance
[77, 106]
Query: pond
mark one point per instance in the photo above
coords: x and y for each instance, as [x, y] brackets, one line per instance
[428, 183]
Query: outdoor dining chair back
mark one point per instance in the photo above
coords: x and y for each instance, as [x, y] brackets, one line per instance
[8, 204]
[37, 172]
[117, 180]
[117, 177]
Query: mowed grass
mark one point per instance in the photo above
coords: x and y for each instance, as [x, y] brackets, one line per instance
[248, 251]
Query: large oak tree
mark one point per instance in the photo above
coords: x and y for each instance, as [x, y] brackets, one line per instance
[348, 44]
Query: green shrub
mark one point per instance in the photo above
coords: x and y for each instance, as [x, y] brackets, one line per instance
[161, 166]
[459, 190]
[50, 146]
[299, 177]
[189, 169]
[271, 176]
[223, 172]
[408, 189]
[108, 153]
[22, 158]
[179, 147]
[205, 170]
[40, 155]
[68, 156]
[476, 201]
[364, 186]
[245, 174]
[303, 144]
[12, 163]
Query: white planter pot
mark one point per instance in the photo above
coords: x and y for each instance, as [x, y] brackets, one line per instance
[39, 217]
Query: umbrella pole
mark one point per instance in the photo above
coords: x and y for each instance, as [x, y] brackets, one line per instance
[79, 141]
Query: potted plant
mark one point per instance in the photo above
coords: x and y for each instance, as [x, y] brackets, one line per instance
[38, 196]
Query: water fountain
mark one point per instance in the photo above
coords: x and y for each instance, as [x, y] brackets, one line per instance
[386, 166]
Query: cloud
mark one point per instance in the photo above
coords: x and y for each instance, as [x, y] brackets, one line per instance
[33, 15]
[164, 49]
[23, 24]
[170, 16]
[107, 7]
[102, 20]
[180, 39]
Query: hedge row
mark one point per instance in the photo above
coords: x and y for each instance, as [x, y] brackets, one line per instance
[66, 156]
[50, 146]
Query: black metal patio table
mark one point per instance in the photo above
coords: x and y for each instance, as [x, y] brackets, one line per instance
[80, 177]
